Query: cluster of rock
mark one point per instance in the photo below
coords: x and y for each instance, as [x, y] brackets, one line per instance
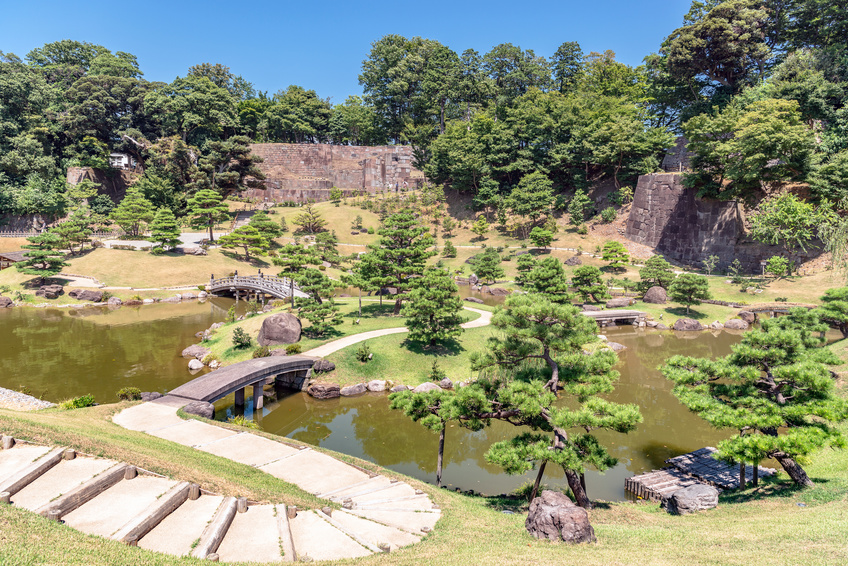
[743, 322]
[325, 390]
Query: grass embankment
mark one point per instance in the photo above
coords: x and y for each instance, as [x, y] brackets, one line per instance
[774, 524]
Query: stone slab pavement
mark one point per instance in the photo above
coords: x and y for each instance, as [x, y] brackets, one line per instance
[372, 532]
[178, 531]
[13, 460]
[322, 539]
[252, 537]
[249, 449]
[191, 433]
[315, 472]
[59, 479]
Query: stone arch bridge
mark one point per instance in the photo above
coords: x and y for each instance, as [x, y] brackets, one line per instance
[259, 286]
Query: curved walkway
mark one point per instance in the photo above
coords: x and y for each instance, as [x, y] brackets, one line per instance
[332, 347]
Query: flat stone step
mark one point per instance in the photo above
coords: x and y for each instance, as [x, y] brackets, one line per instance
[178, 531]
[348, 489]
[147, 416]
[398, 490]
[375, 485]
[405, 520]
[375, 533]
[319, 540]
[253, 536]
[315, 472]
[410, 503]
[113, 508]
[249, 449]
[31, 472]
[62, 478]
[191, 433]
[19, 457]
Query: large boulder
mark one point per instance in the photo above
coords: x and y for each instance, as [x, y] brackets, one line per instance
[716, 325]
[574, 260]
[446, 383]
[620, 303]
[195, 365]
[114, 301]
[473, 279]
[6, 302]
[748, 316]
[201, 409]
[280, 328]
[195, 351]
[322, 366]
[150, 396]
[399, 387]
[50, 291]
[655, 295]
[554, 516]
[87, 295]
[687, 324]
[591, 308]
[497, 291]
[474, 300]
[427, 386]
[188, 296]
[352, 390]
[698, 497]
[321, 390]
[616, 347]
[736, 324]
[376, 385]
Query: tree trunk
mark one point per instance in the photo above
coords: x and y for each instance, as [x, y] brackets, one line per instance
[577, 489]
[538, 480]
[441, 457]
[291, 287]
[211, 237]
[795, 471]
[360, 303]
[398, 302]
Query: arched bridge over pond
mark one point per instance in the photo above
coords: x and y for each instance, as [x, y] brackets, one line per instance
[293, 371]
[261, 284]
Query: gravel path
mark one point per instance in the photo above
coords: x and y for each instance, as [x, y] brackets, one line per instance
[21, 402]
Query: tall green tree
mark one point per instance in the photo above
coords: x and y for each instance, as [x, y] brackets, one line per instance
[293, 258]
[587, 279]
[206, 209]
[775, 389]
[432, 311]
[267, 227]
[834, 309]
[548, 280]
[487, 265]
[164, 229]
[319, 309]
[616, 254]
[133, 213]
[193, 108]
[248, 238]
[656, 273]
[689, 289]
[231, 167]
[788, 220]
[42, 257]
[310, 220]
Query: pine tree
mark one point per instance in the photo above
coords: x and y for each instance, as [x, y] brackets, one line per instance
[834, 309]
[325, 246]
[284, 227]
[578, 206]
[357, 277]
[688, 289]
[656, 273]
[538, 353]
[309, 221]
[165, 231]
[541, 238]
[449, 250]
[616, 254]
[432, 313]
[267, 227]
[43, 258]
[400, 254]
[775, 389]
[319, 309]
[548, 280]
[480, 228]
[448, 226]
[133, 212]
[293, 258]
[525, 264]
[75, 231]
[205, 209]
[487, 265]
[246, 237]
[589, 284]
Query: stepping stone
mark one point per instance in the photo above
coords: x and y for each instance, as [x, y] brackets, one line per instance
[399, 489]
[113, 508]
[249, 449]
[376, 483]
[413, 503]
[59, 479]
[191, 433]
[253, 536]
[179, 530]
[410, 521]
[315, 472]
[372, 532]
[147, 416]
[319, 540]
[18, 458]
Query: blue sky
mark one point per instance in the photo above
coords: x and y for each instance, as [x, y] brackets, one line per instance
[321, 45]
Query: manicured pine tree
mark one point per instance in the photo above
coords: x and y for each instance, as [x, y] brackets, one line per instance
[834, 309]
[541, 238]
[205, 209]
[310, 220]
[480, 228]
[525, 264]
[587, 279]
[267, 227]
[616, 254]
[548, 279]
[656, 273]
[432, 312]
[293, 258]
[449, 250]
[165, 231]
[246, 237]
[133, 212]
[688, 289]
[325, 246]
[43, 257]
[448, 226]
[359, 278]
[578, 206]
[319, 309]
[775, 389]
[487, 265]
[75, 231]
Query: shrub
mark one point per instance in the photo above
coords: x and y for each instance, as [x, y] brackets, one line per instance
[231, 314]
[209, 358]
[363, 353]
[293, 349]
[241, 420]
[322, 267]
[371, 230]
[608, 214]
[582, 230]
[201, 287]
[241, 339]
[106, 296]
[78, 402]
[781, 299]
[129, 394]
[262, 352]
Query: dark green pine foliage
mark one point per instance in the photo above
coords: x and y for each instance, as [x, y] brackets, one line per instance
[247, 238]
[616, 254]
[43, 257]
[525, 264]
[834, 309]
[775, 389]
[538, 355]
[293, 258]
[133, 213]
[432, 312]
[548, 279]
[587, 279]
[164, 230]
[267, 227]
[689, 289]
[319, 309]
[656, 273]
[206, 209]
[400, 255]
[487, 265]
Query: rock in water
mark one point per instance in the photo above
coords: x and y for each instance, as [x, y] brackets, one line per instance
[201, 409]
[736, 324]
[150, 396]
[616, 347]
[352, 390]
[49, 291]
[322, 390]
[620, 303]
[114, 301]
[553, 516]
[473, 280]
[321, 365]
[280, 328]
[195, 351]
[400, 387]
[6, 302]
[655, 295]
[474, 300]
[195, 365]
[687, 324]
[698, 497]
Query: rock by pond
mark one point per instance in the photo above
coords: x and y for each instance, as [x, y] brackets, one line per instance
[698, 497]
[554, 516]
[280, 328]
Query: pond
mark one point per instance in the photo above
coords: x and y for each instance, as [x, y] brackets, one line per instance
[60, 353]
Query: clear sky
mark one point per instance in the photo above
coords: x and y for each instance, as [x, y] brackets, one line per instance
[321, 44]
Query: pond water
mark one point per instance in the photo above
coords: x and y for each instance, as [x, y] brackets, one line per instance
[60, 353]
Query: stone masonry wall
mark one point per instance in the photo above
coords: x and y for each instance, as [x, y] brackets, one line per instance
[669, 218]
[300, 172]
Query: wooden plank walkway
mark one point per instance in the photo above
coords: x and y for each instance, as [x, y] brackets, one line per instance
[689, 469]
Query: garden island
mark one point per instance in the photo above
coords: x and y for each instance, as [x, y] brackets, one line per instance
[502, 307]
